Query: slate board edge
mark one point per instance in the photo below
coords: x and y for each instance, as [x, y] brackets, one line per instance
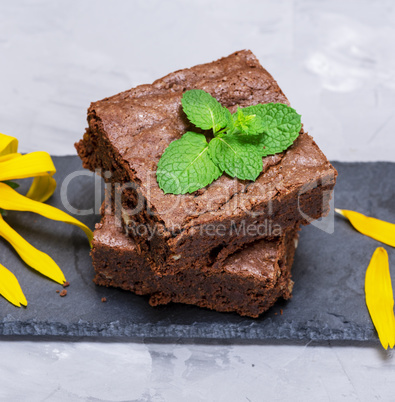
[207, 331]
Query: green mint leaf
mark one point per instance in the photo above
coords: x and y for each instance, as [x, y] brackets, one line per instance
[281, 126]
[237, 156]
[249, 124]
[185, 166]
[203, 110]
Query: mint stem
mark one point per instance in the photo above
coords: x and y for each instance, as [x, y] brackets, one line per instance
[220, 132]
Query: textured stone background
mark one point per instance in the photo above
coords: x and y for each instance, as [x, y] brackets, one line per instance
[334, 59]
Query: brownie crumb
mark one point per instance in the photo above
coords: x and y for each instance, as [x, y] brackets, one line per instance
[103, 299]
[67, 283]
[63, 293]
[57, 291]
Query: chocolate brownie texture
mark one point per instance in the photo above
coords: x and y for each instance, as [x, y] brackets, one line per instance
[248, 283]
[129, 132]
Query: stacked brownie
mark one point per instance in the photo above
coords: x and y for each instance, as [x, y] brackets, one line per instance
[228, 246]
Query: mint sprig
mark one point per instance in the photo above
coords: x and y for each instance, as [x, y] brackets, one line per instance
[240, 141]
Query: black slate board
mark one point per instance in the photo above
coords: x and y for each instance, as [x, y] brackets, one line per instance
[328, 298]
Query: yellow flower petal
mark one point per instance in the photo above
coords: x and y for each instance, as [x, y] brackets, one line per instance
[7, 157]
[29, 165]
[12, 200]
[10, 288]
[42, 188]
[8, 144]
[372, 227]
[35, 258]
[379, 297]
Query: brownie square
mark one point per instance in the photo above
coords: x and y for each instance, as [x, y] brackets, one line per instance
[129, 132]
[249, 282]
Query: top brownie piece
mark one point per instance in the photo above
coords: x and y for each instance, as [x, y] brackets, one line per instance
[129, 132]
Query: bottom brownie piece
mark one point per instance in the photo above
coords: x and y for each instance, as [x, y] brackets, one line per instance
[249, 282]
